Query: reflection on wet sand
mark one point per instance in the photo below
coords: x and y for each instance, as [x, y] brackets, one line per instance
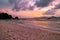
[10, 30]
[53, 24]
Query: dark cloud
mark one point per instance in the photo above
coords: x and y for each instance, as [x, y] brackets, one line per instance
[57, 6]
[16, 8]
[15, 3]
[43, 3]
[50, 12]
[31, 8]
[11, 1]
[20, 5]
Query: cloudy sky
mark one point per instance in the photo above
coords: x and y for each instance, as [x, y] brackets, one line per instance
[30, 8]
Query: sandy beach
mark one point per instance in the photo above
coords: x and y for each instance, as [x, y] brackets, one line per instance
[11, 31]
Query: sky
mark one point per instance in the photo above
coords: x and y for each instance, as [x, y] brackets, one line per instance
[30, 8]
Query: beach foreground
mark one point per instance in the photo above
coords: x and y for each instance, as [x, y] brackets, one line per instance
[13, 31]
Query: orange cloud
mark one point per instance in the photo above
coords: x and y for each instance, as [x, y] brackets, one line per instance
[21, 13]
[27, 13]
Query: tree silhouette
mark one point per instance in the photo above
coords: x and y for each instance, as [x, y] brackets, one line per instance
[16, 18]
[5, 16]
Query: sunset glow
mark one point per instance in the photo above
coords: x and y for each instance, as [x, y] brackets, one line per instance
[29, 8]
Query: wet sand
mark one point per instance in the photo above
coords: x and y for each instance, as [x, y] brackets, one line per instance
[12, 31]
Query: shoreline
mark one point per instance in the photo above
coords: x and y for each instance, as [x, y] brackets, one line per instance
[12, 31]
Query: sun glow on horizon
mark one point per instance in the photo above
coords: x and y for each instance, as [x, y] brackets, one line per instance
[27, 13]
[22, 13]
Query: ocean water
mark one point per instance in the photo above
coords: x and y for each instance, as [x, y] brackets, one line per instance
[53, 24]
[45, 25]
[48, 25]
